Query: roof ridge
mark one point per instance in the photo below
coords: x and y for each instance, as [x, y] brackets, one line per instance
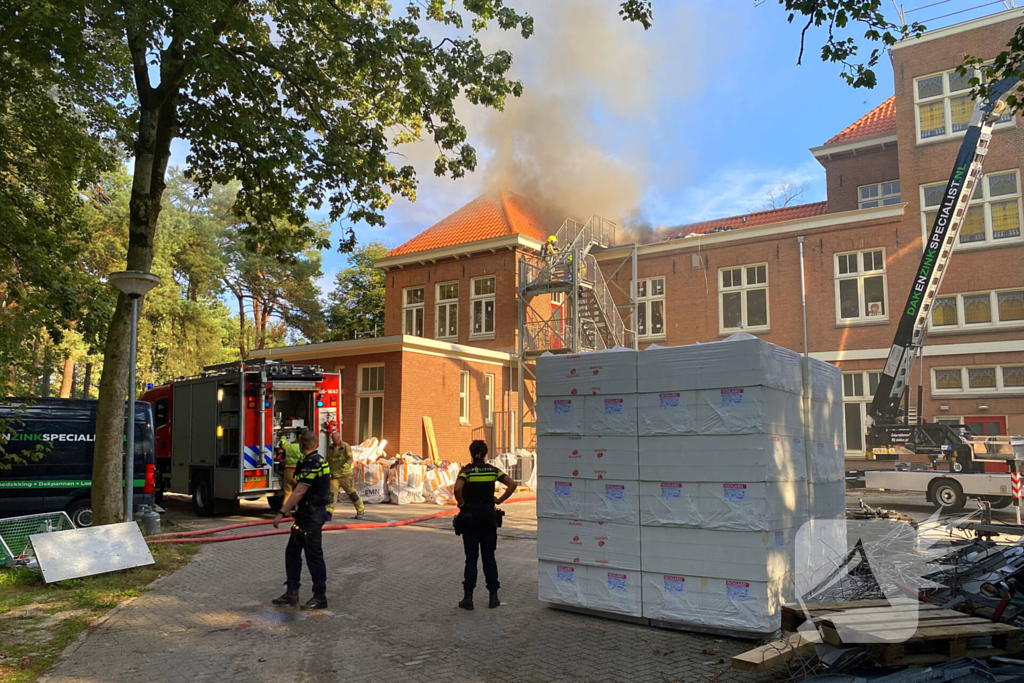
[881, 119]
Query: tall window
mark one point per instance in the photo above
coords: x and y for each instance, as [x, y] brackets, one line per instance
[993, 216]
[489, 399]
[879, 194]
[482, 298]
[858, 391]
[743, 298]
[448, 310]
[1008, 379]
[978, 310]
[412, 309]
[371, 402]
[464, 397]
[650, 307]
[860, 286]
[944, 105]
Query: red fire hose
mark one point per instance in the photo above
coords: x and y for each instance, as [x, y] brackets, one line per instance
[191, 535]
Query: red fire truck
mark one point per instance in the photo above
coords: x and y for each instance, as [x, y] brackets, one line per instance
[216, 432]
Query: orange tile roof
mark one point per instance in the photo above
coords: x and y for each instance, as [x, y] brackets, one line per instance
[881, 119]
[490, 215]
[787, 213]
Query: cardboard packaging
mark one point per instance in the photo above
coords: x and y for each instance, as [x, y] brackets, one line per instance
[587, 374]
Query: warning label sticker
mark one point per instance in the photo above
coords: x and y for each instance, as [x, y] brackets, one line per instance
[734, 492]
[563, 407]
[675, 584]
[563, 489]
[613, 406]
[614, 492]
[668, 401]
[780, 539]
[732, 397]
[737, 590]
[671, 490]
[566, 574]
[617, 582]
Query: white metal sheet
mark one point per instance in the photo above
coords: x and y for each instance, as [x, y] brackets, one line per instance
[85, 552]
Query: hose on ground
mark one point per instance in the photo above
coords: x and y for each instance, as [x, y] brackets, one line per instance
[191, 535]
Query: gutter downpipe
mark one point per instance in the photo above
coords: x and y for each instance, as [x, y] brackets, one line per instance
[803, 290]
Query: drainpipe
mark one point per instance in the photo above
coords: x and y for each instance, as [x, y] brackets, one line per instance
[803, 290]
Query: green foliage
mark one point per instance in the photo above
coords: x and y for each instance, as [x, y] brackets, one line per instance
[356, 305]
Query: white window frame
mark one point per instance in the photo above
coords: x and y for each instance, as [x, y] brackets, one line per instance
[984, 199]
[961, 319]
[370, 394]
[965, 387]
[947, 111]
[860, 276]
[489, 400]
[417, 309]
[743, 289]
[446, 305]
[645, 300]
[464, 397]
[884, 194]
[481, 300]
[864, 401]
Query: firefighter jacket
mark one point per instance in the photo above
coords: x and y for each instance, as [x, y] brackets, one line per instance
[292, 453]
[340, 459]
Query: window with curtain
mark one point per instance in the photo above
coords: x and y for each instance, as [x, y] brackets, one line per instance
[987, 380]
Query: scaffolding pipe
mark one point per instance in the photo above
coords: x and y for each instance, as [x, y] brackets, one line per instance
[636, 313]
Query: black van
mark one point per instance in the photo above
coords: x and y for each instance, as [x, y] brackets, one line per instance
[61, 478]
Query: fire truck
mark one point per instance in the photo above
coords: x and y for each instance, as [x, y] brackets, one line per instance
[217, 434]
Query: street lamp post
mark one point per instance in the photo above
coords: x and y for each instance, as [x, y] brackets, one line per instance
[134, 284]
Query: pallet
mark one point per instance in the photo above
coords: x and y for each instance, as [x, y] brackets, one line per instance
[795, 615]
[628, 618]
[928, 636]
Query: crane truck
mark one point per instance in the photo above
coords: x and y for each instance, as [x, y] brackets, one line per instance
[892, 434]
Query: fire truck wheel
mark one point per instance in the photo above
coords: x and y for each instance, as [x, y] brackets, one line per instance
[275, 503]
[202, 495]
[999, 502]
[80, 513]
[948, 496]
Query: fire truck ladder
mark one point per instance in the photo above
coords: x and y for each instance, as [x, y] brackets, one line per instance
[909, 339]
[588, 318]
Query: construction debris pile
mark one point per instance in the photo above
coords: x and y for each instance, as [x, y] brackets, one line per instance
[689, 486]
[407, 478]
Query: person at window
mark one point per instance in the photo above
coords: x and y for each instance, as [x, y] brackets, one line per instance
[478, 520]
[310, 499]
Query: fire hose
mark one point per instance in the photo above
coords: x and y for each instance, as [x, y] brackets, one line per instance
[203, 535]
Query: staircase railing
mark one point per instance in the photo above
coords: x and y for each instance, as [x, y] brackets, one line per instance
[593, 275]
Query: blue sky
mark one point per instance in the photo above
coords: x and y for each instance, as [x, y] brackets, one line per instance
[693, 120]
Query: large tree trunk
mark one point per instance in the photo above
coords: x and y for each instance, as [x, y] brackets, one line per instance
[157, 127]
[87, 382]
[67, 377]
[241, 324]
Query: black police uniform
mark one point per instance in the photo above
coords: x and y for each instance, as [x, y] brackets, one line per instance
[479, 530]
[307, 530]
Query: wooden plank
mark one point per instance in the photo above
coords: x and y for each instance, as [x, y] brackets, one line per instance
[428, 430]
[966, 628]
[794, 615]
[852, 604]
[776, 652]
[855, 620]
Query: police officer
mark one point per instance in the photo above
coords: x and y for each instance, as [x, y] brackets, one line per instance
[310, 498]
[474, 492]
[339, 458]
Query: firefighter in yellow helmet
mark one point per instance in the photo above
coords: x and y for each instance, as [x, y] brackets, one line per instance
[339, 457]
[549, 249]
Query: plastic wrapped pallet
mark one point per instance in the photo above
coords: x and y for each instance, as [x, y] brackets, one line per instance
[827, 462]
[594, 543]
[613, 415]
[749, 410]
[728, 506]
[562, 582]
[735, 604]
[586, 374]
[748, 555]
[559, 415]
[600, 588]
[667, 413]
[736, 362]
[588, 457]
[748, 457]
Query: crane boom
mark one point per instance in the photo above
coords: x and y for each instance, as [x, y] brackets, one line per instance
[937, 250]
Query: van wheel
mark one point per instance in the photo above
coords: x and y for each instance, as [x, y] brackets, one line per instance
[202, 496]
[80, 513]
[948, 496]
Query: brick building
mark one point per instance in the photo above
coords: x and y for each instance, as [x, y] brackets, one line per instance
[451, 304]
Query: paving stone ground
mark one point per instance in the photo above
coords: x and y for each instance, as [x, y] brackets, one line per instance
[393, 617]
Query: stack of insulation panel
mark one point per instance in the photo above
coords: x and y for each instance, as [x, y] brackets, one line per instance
[588, 513]
[711, 473]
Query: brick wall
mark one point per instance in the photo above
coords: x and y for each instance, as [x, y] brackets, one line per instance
[844, 176]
